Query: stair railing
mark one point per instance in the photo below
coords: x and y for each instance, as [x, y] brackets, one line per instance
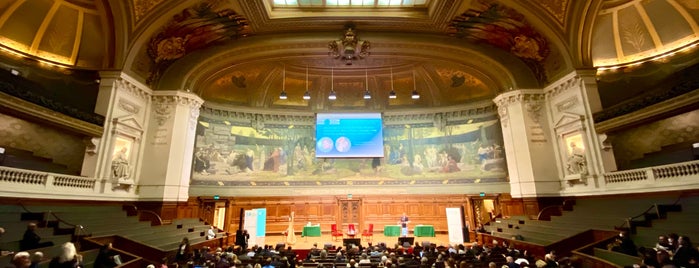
[154, 218]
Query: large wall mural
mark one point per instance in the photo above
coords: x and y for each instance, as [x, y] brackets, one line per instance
[229, 153]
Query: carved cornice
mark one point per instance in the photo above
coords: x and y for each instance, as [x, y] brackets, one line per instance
[165, 101]
[521, 96]
[475, 111]
[140, 92]
[570, 81]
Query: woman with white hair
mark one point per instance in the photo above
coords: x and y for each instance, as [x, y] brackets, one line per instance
[69, 257]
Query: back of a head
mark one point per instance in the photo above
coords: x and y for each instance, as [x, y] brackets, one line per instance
[68, 252]
[21, 259]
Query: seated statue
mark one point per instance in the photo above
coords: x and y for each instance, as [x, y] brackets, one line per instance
[120, 165]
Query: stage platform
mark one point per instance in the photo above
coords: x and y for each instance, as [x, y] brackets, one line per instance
[307, 242]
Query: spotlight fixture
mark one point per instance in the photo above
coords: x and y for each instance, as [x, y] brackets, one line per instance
[307, 95]
[332, 95]
[392, 94]
[367, 95]
[415, 95]
[282, 96]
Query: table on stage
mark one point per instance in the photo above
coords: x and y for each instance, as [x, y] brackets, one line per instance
[391, 230]
[310, 231]
[424, 230]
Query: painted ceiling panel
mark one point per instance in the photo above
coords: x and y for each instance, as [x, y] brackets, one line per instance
[634, 35]
[669, 23]
[603, 39]
[22, 24]
[91, 51]
[58, 39]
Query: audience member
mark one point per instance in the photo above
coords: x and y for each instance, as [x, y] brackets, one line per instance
[625, 245]
[662, 244]
[31, 240]
[685, 254]
[211, 233]
[106, 257]
[21, 260]
[37, 257]
[68, 258]
[183, 251]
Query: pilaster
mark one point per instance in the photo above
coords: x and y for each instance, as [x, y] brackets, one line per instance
[528, 143]
[169, 146]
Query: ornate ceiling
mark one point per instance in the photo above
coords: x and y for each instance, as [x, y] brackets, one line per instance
[244, 53]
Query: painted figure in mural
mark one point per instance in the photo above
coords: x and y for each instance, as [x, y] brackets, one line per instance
[451, 165]
[484, 152]
[120, 165]
[201, 161]
[576, 159]
[274, 160]
[290, 234]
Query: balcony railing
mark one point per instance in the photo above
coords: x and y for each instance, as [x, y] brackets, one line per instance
[22, 182]
[674, 172]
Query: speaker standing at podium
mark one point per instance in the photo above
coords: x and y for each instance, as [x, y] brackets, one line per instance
[404, 225]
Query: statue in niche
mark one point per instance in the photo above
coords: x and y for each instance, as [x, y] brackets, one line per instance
[120, 165]
[576, 160]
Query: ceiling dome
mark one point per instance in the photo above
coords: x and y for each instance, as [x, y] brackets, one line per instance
[68, 32]
[627, 31]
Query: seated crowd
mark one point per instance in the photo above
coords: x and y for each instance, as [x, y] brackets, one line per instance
[417, 256]
[671, 250]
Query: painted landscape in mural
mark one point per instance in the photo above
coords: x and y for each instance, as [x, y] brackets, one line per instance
[225, 151]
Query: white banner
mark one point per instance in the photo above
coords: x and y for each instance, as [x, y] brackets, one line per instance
[255, 223]
[456, 236]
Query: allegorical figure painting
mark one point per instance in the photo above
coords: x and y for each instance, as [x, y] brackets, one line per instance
[225, 151]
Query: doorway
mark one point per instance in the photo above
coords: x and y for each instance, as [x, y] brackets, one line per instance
[350, 213]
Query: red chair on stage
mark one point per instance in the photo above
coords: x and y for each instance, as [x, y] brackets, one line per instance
[351, 232]
[334, 232]
[369, 232]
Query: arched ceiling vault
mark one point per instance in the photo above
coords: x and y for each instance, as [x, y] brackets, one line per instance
[459, 51]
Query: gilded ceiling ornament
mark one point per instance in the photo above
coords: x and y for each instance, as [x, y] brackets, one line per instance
[349, 47]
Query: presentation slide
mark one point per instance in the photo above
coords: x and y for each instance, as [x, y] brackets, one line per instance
[349, 135]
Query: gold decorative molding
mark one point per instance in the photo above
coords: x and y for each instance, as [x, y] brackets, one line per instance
[50, 116]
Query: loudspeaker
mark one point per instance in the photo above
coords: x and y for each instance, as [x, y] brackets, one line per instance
[354, 241]
[402, 240]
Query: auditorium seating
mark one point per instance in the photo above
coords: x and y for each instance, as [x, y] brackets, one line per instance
[59, 223]
[682, 222]
[600, 214]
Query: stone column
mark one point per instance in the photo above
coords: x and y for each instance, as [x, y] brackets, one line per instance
[528, 144]
[169, 146]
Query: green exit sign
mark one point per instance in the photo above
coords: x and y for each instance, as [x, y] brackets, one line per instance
[216, 197]
[482, 193]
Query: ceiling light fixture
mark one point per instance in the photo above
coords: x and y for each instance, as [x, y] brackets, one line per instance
[332, 95]
[282, 96]
[392, 94]
[367, 95]
[415, 95]
[307, 95]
